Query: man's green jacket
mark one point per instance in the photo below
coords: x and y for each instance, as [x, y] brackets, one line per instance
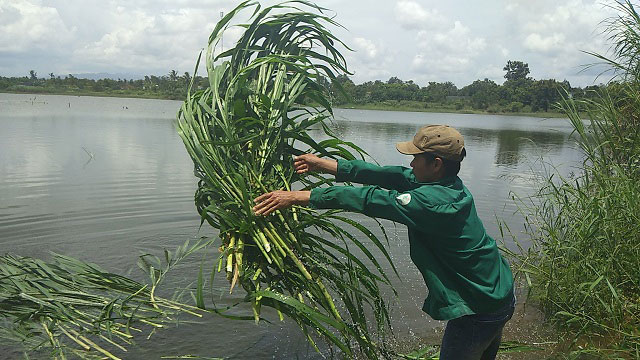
[460, 263]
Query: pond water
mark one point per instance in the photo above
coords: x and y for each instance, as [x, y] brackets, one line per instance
[107, 179]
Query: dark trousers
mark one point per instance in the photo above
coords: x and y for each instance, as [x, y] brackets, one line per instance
[475, 337]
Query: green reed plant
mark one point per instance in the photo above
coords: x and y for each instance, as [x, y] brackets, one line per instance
[583, 264]
[68, 308]
[266, 97]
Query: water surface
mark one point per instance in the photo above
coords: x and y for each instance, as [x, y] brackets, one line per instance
[106, 179]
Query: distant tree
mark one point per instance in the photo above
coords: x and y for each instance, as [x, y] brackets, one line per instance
[155, 83]
[516, 70]
[173, 75]
[518, 90]
[545, 94]
[33, 75]
[394, 80]
[342, 89]
[97, 86]
[52, 76]
[147, 82]
[68, 80]
[438, 92]
[412, 87]
[483, 93]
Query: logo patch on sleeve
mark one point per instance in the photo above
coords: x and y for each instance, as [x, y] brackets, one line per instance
[403, 199]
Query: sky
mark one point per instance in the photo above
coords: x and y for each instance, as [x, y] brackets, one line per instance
[420, 40]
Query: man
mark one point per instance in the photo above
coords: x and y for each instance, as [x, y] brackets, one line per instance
[469, 282]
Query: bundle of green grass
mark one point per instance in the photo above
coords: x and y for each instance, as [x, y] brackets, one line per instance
[263, 98]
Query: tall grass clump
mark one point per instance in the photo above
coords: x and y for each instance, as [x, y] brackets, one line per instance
[584, 262]
[266, 96]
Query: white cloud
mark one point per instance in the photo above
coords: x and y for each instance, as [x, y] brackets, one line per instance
[554, 35]
[366, 46]
[141, 39]
[491, 72]
[76, 36]
[447, 52]
[423, 40]
[443, 48]
[536, 42]
[25, 26]
[412, 15]
[457, 39]
[370, 60]
[432, 65]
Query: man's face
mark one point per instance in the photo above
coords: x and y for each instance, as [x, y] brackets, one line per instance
[425, 168]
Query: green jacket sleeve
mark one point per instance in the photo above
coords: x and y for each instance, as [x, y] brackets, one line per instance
[388, 177]
[409, 208]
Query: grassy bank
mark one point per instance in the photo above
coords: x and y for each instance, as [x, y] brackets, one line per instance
[82, 92]
[438, 108]
[417, 107]
[583, 263]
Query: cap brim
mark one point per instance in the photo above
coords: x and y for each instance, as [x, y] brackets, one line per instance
[408, 148]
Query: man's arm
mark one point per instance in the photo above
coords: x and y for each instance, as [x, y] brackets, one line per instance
[405, 208]
[270, 202]
[310, 162]
[409, 208]
[388, 177]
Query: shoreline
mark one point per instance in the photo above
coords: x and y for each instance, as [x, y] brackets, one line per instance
[346, 106]
[91, 94]
[449, 111]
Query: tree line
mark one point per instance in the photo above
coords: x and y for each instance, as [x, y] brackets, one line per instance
[170, 86]
[518, 93]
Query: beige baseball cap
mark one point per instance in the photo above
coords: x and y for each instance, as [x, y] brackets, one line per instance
[441, 140]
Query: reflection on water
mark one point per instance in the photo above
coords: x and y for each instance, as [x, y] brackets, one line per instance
[513, 146]
[104, 179]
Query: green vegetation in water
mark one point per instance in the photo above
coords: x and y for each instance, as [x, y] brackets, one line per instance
[242, 131]
[583, 265]
[69, 308]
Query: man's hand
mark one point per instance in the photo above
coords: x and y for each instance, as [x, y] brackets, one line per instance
[270, 202]
[310, 162]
